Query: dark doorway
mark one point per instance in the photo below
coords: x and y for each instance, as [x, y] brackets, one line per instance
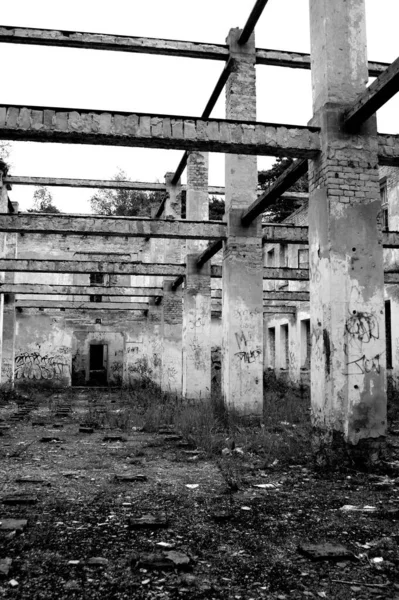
[98, 365]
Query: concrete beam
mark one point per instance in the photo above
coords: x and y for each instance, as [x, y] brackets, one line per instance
[82, 126]
[273, 193]
[97, 183]
[252, 20]
[68, 224]
[284, 234]
[288, 296]
[85, 183]
[373, 97]
[67, 305]
[286, 273]
[275, 296]
[78, 290]
[89, 266]
[209, 252]
[120, 43]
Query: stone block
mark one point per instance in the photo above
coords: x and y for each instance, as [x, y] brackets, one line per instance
[119, 125]
[3, 113]
[131, 125]
[177, 128]
[95, 123]
[145, 126]
[166, 128]
[86, 122]
[212, 129]
[24, 118]
[225, 132]
[61, 121]
[157, 127]
[12, 117]
[75, 121]
[105, 123]
[48, 118]
[190, 130]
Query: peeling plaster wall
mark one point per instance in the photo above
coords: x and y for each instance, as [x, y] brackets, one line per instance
[42, 348]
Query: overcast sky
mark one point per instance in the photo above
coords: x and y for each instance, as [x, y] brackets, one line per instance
[96, 79]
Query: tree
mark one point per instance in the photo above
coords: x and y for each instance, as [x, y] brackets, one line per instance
[121, 202]
[216, 208]
[283, 207]
[43, 201]
[5, 150]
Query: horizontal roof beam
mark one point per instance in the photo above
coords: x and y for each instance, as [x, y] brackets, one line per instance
[85, 183]
[275, 190]
[91, 266]
[142, 186]
[374, 97]
[82, 126]
[68, 224]
[285, 234]
[274, 296]
[120, 43]
[78, 290]
[70, 305]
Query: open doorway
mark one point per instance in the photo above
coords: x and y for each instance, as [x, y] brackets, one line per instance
[98, 359]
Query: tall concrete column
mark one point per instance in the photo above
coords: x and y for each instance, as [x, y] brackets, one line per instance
[3, 209]
[242, 314]
[197, 289]
[9, 316]
[346, 257]
[172, 300]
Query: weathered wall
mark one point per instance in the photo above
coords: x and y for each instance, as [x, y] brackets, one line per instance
[42, 348]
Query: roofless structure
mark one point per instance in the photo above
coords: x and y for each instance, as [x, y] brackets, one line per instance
[340, 150]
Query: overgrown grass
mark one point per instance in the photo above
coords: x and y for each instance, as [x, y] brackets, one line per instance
[282, 432]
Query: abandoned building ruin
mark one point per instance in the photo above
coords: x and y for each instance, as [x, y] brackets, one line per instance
[103, 300]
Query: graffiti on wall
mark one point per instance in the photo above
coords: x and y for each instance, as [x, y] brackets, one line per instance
[245, 353]
[33, 365]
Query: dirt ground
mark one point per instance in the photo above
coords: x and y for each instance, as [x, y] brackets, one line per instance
[82, 495]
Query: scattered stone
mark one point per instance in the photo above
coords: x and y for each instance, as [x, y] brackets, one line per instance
[29, 479]
[97, 561]
[84, 429]
[163, 561]
[73, 562]
[192, 486]
[13, 582]
[4, 427]
[13, 524]
[72, 585]
[326, 551]
[114, 438]
[130, 477]
[18, 499]
[38, 424]
[185, 445]
[352, 508]
[193, 452]
[165, 545]
[172, 438]
[47, 439]
[148, 521]
[221, 516]
[58, 426]
[5, 566]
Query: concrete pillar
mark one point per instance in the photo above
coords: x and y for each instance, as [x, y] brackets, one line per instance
[155, 317]
[197, 288]
[348, 375]
[242, 315]
[172, 300]
[9, 316]
[3, 209]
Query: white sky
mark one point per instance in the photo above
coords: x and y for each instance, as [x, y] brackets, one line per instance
[96, 79]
